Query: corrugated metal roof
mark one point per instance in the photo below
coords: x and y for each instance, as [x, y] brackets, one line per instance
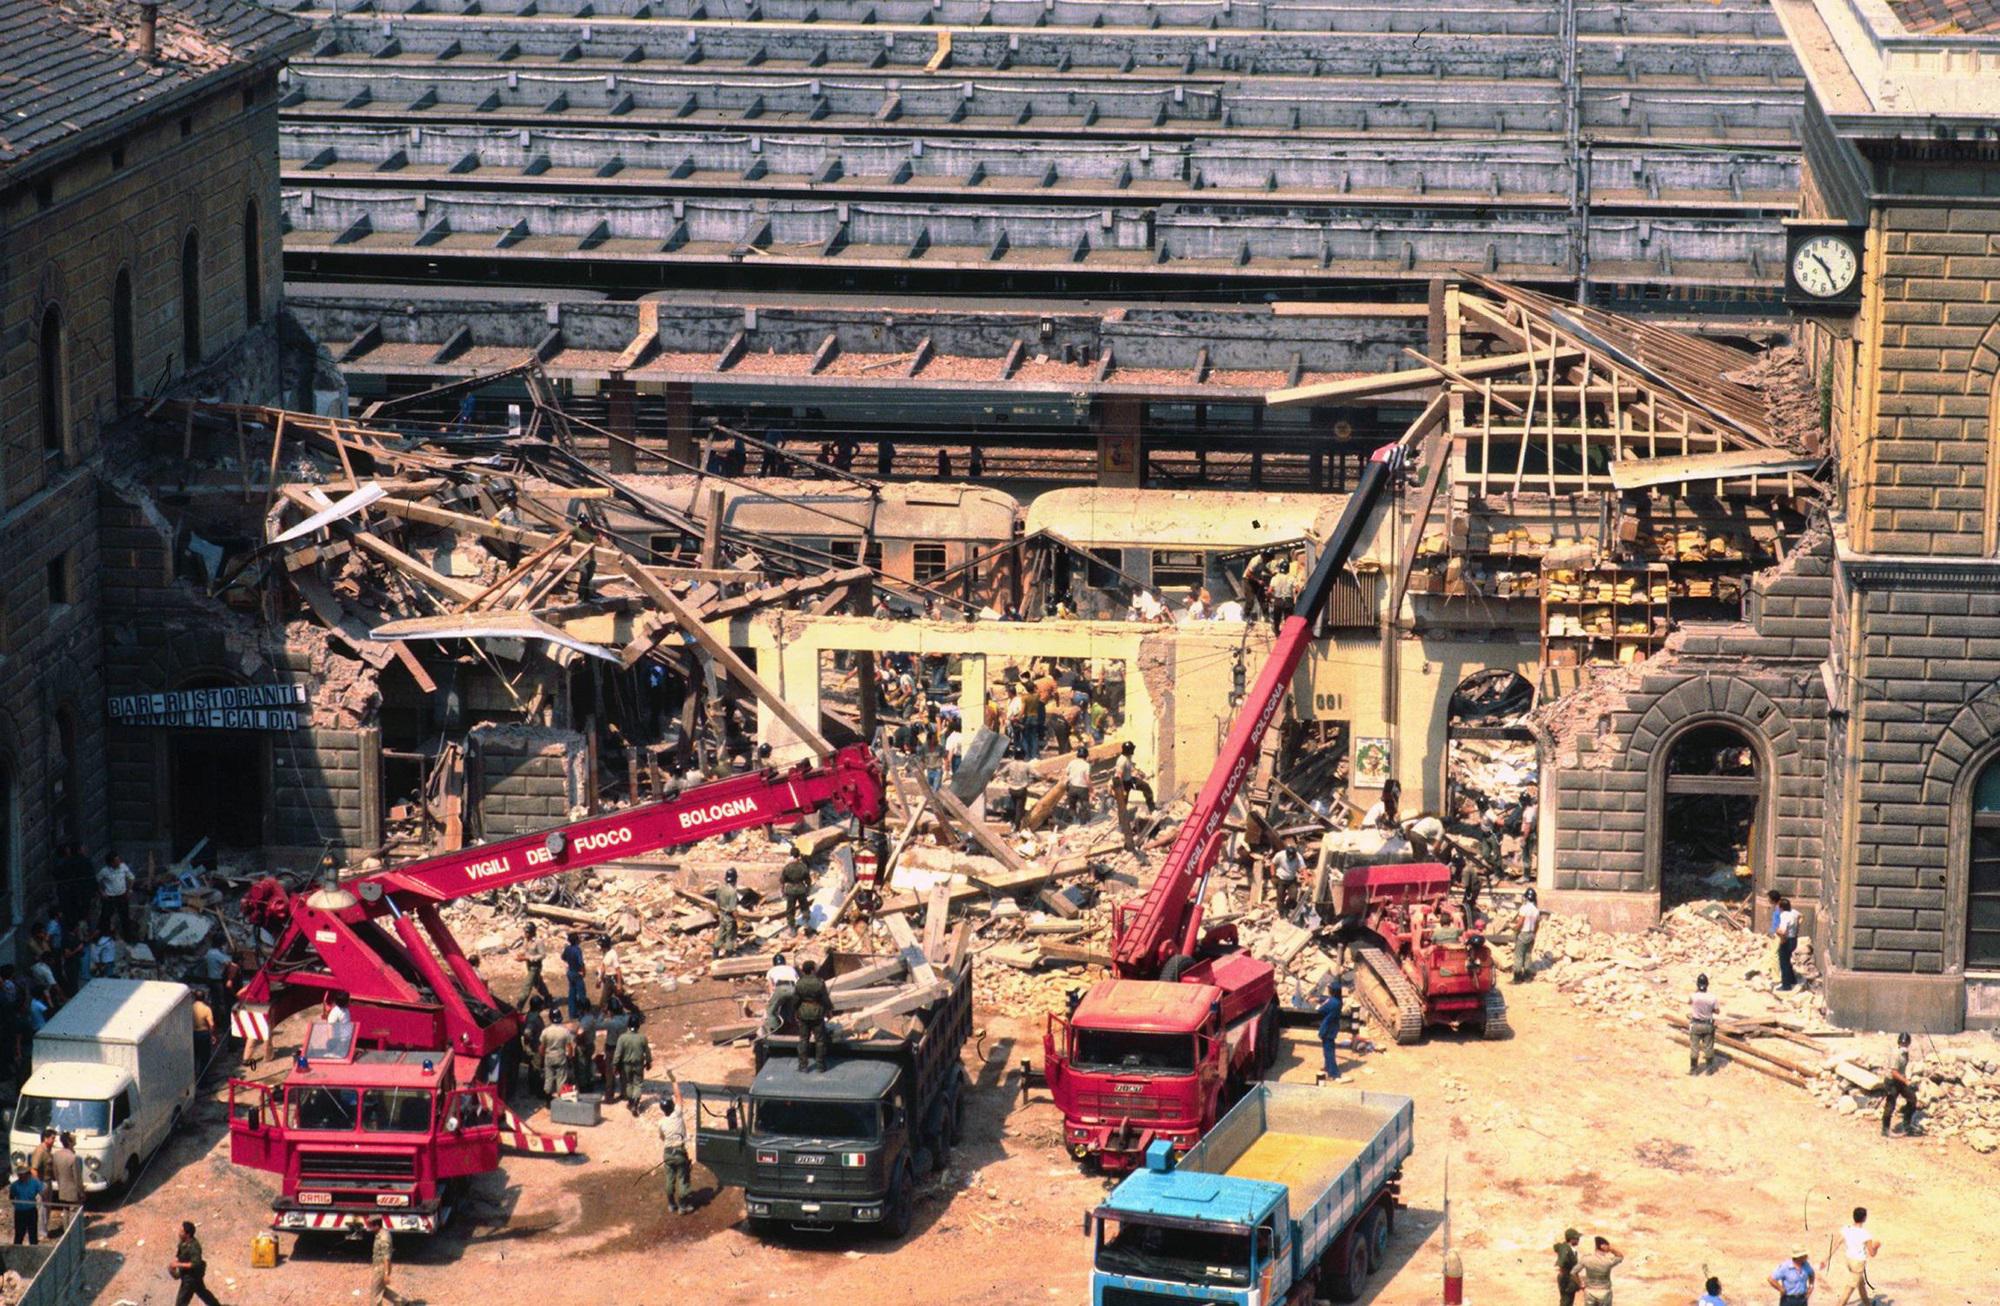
[67, 66]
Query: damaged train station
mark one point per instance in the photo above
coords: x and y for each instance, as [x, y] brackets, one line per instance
[1071, 538]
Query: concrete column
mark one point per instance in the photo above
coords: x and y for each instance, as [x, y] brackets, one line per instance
[680, 421]
[972, 691]
[621, 398]
[1117, 423]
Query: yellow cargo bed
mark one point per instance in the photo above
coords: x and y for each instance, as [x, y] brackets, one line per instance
[1304, 1163]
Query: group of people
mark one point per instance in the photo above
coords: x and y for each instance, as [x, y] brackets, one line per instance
[585, 1049]
[49, 1181]
[1845, 1266]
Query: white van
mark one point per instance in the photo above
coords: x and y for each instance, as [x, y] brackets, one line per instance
[116, 1068]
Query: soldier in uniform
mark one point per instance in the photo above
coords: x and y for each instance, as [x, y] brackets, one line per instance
[674, 1152]
[191, 1267]
[1703, 1007]
[380, 1260]
[726, 902]
[812, 1003]
[1566, 1258]
[796, 883]
[631, 1058]
[533, 953]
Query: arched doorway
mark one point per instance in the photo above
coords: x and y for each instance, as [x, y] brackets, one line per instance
[1982, 881]
[217, 783]
[1707, 840]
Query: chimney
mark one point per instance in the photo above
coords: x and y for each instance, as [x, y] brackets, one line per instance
[149, 30]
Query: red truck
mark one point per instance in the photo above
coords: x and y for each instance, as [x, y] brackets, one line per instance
[389, 1113]
[1188, 1023]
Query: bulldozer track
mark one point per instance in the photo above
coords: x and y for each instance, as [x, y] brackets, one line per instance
[1391, 998]
[1496, 1015]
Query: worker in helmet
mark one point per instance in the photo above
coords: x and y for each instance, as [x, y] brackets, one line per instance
[726, 902]
[1077, 780]
[1526, 920]
[1703, 1007]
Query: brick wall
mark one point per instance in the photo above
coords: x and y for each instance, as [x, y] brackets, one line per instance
[1928, 487]
[1760, 676]
[524, 778]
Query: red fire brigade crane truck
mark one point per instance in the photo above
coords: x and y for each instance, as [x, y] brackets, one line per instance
[388, 1114]
[1188, 1022]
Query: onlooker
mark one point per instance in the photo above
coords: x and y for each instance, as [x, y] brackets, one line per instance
[68, 1169]
[1596, 1266]
[1793, 1279]
[41, 1162]
[204, 1033]
[1858, 1247]
[114, 896]
[1329, 1028]
[1711, 1293]
[26, 1192]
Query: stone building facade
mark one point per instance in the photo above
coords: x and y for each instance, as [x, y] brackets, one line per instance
[138, 252]
[1866, 680]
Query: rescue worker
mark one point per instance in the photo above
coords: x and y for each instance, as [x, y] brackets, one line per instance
[783, 979]
[583, 1056]
[795, 881]
[1566, 1258]
[611, 980]
[1702, 1010]
[631, 1058]
[1286, 866]
[1896, 1087]
[1526, 920]
[1126, 776]
[381, 1260]
[812, 1003]
[674, 1151]
[572, 960]
[558, 1045]
[1329, 1028]
[726, 902]
[1077, 781]
[1017, 775]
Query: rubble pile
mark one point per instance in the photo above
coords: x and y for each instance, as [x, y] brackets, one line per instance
[1633, 978]
[1958, 1091]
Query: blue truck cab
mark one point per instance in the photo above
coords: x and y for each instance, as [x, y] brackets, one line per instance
[1291, 1196]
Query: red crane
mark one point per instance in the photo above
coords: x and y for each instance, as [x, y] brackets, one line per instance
[1143, 1057]
[425, 1024]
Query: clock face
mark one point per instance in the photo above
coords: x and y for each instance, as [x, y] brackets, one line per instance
[1824, 266]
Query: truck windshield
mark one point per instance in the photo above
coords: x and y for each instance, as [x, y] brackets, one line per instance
[1179, 1254]
[1130, 1053]
[62, 1114]
[396, 1111]
[808, 1119]
[320, 1108]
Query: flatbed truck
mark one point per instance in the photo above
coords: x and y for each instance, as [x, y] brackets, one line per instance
[1291, 1197]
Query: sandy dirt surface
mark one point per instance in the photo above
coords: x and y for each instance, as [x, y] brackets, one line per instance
[1566, 1123]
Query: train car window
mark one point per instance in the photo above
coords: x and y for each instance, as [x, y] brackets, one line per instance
[1179, 568]
[1104, 565]
[849, 552]
[927, 562]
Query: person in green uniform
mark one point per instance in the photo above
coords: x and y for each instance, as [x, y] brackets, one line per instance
[558, 1044]
[381, 1258]
[812, 1003]
[1566, 1257]
[191, 1267]
[631, 1058]
[726, 902]
[796, 882]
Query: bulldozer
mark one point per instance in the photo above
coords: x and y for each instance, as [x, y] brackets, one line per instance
[1419, 962]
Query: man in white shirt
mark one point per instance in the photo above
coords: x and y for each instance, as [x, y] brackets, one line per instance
[1858, 1247]
[1703, 1008]
[336, 1010]
[114, 890]
[1286, 864]
[1788, 942]
[674, 1152]
[1526, 921]
[781, 978]
[1077, 778]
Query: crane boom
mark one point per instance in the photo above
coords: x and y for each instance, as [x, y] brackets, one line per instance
[1168, 919]
[361, 937]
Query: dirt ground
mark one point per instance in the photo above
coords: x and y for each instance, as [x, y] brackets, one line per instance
[1563, 1124]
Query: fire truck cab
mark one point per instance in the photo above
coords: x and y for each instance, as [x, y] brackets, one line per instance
[355, 1131]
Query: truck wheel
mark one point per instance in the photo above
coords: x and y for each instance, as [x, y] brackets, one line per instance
[902, 1204]
[1354, 1277]
[1177, 965]
[1375, 1236]
[1267, 1037]
[957, 1128]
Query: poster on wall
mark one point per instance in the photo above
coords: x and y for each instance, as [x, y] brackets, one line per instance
[1371, 762]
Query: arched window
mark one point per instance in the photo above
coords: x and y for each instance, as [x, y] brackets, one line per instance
[1982, 888]
[253, 296]
[191, 301]
[124, 363]
[1708, 838]
[55, 417]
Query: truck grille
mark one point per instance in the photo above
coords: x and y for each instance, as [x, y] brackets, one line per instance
[343, 1165]
[1113, 1107]
[810, 1181]
[1117, 1296]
